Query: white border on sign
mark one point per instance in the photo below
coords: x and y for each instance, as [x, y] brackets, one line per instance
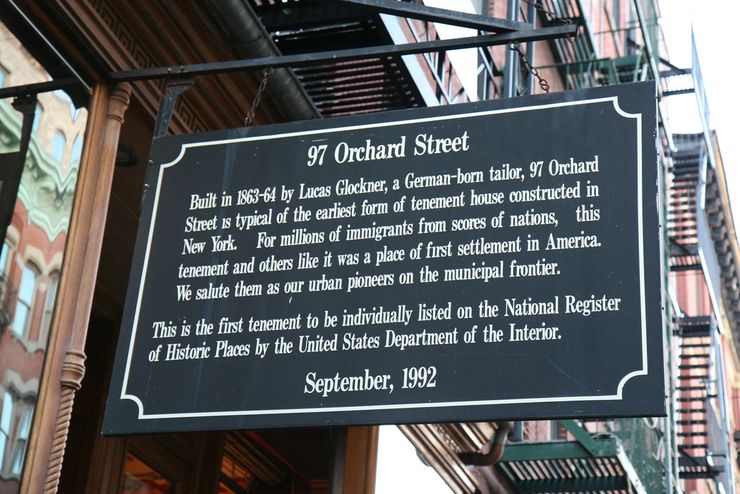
[399, 406]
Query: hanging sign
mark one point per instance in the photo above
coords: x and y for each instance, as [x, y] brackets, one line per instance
[471, 262]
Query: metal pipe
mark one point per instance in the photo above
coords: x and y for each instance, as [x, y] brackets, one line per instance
[648, 46]
[317, 58]
[250, 39]
[511, 67]
[531, 17]
[498, 442]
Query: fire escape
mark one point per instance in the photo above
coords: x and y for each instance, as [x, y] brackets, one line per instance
[340, 88]
[618, 56]
[700, 432]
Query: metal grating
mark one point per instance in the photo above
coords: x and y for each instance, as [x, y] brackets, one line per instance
[565, 466]
[602, 475]
[341, 88]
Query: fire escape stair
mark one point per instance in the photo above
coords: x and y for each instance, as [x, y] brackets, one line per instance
[694, 392]
[682, 225]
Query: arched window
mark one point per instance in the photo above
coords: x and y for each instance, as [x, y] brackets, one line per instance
[58, 143]
[26, 293]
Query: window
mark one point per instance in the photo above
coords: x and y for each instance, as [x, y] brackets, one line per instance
[4, 254]
[26, 292]
[6, 414]
[2, 77]
[21, 443]
[58, 143]
[51, 296]
[4, 309]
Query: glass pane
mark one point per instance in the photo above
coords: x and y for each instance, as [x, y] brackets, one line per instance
[38, 116]
[20, 319]
[6, 413]
[21, 442]
[49, 303]
[58, 143]
[140, 478]
[25, 294]
[4, 259]
[76, 150]
[33, 246]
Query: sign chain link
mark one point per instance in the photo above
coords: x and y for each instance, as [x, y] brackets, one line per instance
[551, 17]
[541, 81]
[249, 119]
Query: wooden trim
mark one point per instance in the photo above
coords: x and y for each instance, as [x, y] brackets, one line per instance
[65, 367]
[119, 36]
[361, 460]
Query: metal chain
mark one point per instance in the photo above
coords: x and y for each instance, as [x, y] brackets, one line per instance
[249, 119]
[544, 85]
[551, 16]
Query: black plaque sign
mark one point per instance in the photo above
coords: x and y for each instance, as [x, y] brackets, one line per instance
[492, 260]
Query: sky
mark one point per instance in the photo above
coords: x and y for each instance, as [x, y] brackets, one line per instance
[399, 470]
[713, 23]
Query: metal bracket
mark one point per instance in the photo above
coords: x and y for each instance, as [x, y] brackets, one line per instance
[556, 450]
[168, 100]
[433, 14]
[583, 437]
[318, 58]
[36, 88]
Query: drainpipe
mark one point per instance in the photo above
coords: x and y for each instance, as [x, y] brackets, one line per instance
[497, 447]
[250, 39]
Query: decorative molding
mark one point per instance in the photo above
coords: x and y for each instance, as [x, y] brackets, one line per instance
[143, 59]
[24, 389]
